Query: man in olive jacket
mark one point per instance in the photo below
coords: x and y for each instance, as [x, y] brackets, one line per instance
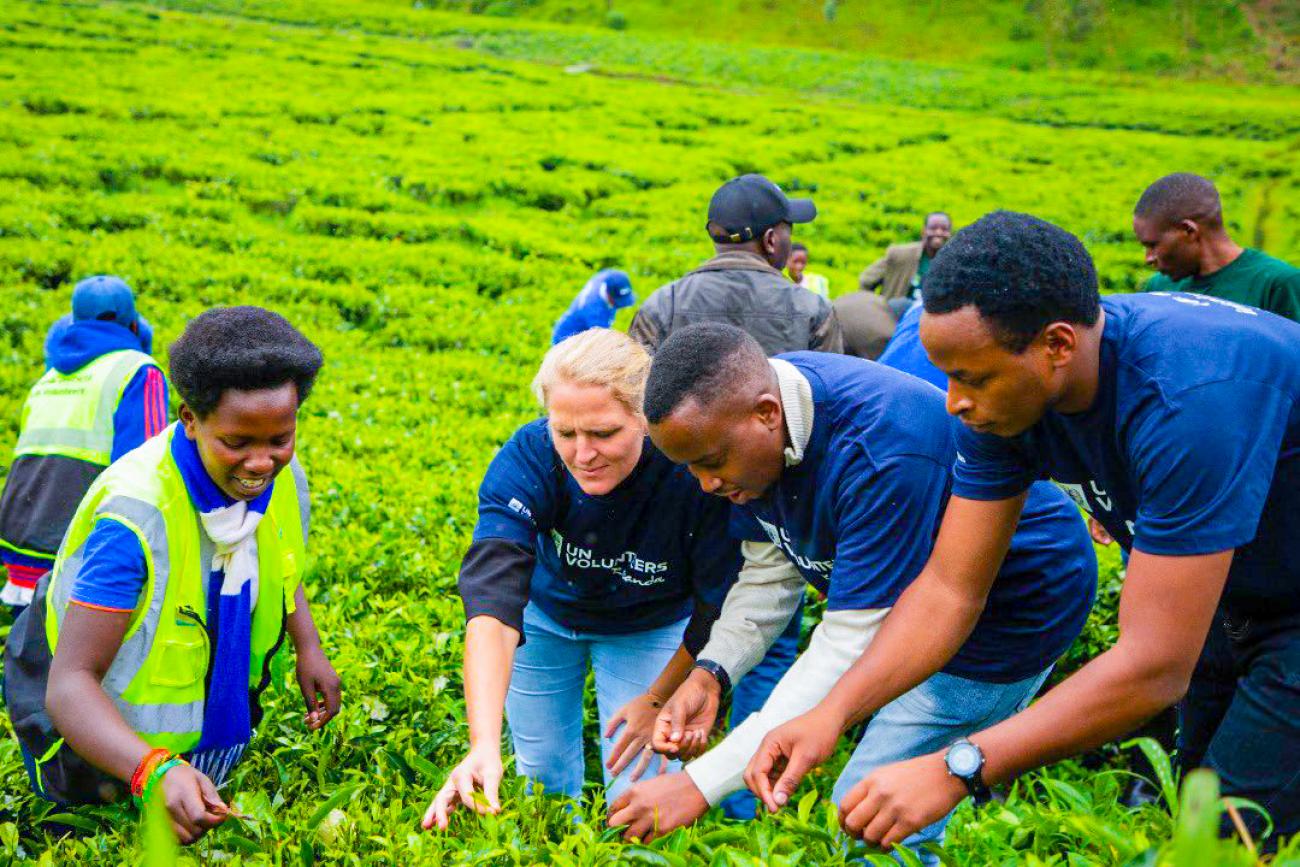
[750, 220]
[898, 273]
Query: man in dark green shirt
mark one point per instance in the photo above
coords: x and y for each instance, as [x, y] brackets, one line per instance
[1179, 220]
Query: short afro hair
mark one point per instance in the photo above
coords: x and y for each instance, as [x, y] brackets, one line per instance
[1019, 272]
[703, 361]
[1181, 196]
[244, 348]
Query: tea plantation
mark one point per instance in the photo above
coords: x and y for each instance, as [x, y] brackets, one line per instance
[422, 192]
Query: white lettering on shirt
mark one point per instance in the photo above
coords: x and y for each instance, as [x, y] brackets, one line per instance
[629, 566]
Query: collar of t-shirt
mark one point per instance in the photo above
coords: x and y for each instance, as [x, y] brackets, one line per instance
[1201, 281]
[797, 407]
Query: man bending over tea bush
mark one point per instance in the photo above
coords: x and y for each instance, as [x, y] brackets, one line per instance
[139, 665]
[1174, 418]
[843, 465]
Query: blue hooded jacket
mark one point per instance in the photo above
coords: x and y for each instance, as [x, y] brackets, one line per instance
[142, 412]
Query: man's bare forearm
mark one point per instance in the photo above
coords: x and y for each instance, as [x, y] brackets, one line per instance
[1107, 698]
[899, 659]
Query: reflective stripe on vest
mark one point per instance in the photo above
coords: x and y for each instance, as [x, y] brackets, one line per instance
[158, 678]
[71, 414]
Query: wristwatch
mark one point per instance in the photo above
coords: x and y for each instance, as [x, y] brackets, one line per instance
[965, 761]
[719, 673]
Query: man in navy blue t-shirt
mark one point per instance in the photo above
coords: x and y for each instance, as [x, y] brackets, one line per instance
[843, 466]
[1174, 420]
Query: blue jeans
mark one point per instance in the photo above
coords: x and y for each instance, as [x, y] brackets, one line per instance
[751, 694]
[544, 704]
[929, 718]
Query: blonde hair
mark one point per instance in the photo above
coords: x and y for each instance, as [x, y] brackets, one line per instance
[597, 356]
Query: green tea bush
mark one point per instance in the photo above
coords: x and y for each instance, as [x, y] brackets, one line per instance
[423, 192]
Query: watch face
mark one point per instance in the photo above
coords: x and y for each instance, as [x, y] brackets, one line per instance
[963, 759]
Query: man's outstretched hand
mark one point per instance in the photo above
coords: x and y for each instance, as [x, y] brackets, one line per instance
[895, 801]
[787, 754]
[683, 726]
[656, 806]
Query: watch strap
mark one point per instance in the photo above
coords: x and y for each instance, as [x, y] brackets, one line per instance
[719, 673]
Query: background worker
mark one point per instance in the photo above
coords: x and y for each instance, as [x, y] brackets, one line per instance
[100, 397]
[607, 292]
[140, 663]
[796, 268]
[749, 222]
[591, 550]
[897, 275]
[1179, 221]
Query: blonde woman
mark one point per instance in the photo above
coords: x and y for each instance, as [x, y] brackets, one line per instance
[592, 549]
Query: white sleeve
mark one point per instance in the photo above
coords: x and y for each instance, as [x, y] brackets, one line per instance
[836, 643]
[756, 611]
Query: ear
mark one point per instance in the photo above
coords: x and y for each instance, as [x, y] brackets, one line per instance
[769, 411]
[770, 241]
[1190, 229]
[1061, 341]
[189, 422]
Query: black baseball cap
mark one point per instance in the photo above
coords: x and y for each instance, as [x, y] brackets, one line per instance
[745, 207]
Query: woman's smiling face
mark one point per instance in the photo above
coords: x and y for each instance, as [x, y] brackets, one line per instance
[247, 439]
[598, 438]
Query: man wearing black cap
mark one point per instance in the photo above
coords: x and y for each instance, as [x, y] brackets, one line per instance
[100, 397]
[749, 221]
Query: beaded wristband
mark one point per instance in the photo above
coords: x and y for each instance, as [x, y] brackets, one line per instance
[157, 775]
[151, 760]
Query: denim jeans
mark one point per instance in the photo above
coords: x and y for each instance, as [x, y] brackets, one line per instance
[1241, 717]
[751, 694]
[544, 703]
[929, 718]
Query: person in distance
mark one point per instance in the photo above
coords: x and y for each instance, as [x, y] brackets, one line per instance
[898, 274]
[100, 397]
[605, 293]
[137, 669]
[591, 549]
[1179, 221]
[750, 220]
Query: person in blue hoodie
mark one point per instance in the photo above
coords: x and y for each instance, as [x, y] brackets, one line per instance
[100, 397]
[607, 291]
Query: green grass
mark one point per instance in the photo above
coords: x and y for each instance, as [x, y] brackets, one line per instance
[422, 193]
[1156, 36]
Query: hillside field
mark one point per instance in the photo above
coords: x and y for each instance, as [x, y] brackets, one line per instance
[422, 192]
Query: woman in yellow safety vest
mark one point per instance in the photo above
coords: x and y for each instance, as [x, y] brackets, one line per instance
[139, 665]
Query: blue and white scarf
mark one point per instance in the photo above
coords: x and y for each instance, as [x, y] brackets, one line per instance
[232, 594]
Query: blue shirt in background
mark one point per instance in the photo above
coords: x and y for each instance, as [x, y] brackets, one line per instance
[633, 559]
[859, 516]
[1192, 445]
[590, 309]
[904, 351]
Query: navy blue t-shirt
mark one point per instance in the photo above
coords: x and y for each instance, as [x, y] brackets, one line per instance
[859, 516]
[635, 558]
[906, 353]
[1192, 445]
